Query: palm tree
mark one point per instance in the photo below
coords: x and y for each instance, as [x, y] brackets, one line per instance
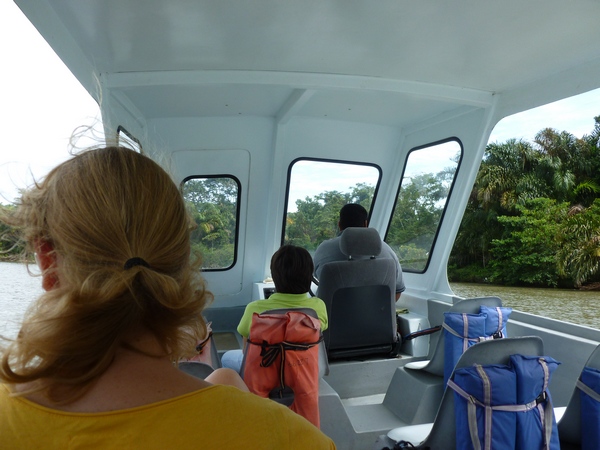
[507, 175]
[579, 244]
[574, 177]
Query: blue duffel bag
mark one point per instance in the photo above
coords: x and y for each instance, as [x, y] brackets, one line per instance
[505, 406]
[589, 386]
[463, 330]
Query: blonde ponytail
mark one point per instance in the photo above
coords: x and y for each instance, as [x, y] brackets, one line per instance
[120, 234]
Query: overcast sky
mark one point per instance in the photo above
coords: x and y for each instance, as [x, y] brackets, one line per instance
[41, 103]
[574, 114]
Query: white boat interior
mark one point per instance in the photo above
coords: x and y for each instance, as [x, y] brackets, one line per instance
[246, 89]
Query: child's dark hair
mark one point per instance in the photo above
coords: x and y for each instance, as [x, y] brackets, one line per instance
[291, 269]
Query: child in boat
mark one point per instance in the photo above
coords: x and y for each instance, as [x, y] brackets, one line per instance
[94, 363]
[291, 269]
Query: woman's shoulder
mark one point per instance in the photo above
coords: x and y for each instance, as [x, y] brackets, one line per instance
[216, 416]
[263, 417]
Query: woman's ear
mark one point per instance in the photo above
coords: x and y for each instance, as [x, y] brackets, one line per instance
[46, 259]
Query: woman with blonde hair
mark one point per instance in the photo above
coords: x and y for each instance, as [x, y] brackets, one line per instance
[94, 365]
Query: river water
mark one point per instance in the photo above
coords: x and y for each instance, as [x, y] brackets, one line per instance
[17, 290]
[580, 307]
[569, 305]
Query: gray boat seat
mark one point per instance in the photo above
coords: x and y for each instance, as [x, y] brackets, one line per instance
[360, 294]
[569, 426]
[441, 434]
[196, 368]
[416, 389]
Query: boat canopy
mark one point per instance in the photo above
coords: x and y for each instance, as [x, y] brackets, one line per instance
[390, 62]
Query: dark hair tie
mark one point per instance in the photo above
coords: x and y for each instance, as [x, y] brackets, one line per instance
[132, 262]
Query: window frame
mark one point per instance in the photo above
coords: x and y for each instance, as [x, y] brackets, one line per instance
[443, 214]
[237, 215]
[131, 137]
[332, 161]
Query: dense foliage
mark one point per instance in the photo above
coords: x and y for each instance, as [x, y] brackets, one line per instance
[11, 248]
[413, 226]
[533, 217]
[315, 219]
[212, 203]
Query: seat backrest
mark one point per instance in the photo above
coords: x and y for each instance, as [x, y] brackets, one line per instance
[196, 368]
[497, 351]
[468, 306]
[569, 426]
[214, 354]
[360, 297]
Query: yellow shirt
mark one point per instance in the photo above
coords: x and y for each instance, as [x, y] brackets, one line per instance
[218, 417]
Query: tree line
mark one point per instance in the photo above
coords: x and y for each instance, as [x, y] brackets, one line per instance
[532, 219]
[533, 216]
[11, 248]
[212, 203]
[413, 225]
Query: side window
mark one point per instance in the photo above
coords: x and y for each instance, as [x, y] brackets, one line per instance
[421, 201]
[126, 139]
[316, 191]
[214, 205]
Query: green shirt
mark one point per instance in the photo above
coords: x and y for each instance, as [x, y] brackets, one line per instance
[279, 300]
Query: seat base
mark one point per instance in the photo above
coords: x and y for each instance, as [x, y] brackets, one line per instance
[414, 395]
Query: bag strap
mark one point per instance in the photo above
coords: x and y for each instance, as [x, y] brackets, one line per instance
[587, 390]
[546, 412]
[463, 337]
[498, 334]
[269, 353]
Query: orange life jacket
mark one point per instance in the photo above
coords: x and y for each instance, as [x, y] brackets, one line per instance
[282, 361]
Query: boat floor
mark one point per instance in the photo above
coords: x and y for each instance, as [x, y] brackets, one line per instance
[352, 397]
[362, 401]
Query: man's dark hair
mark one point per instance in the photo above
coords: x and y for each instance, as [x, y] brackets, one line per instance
[352, 215]
[291, 269]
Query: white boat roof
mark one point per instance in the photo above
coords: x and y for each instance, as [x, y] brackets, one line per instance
[389, 62]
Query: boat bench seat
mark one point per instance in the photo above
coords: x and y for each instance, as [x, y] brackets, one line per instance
[571, 421]
[352, 427]
[336, 423]
[414, 395]
[441, 432]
